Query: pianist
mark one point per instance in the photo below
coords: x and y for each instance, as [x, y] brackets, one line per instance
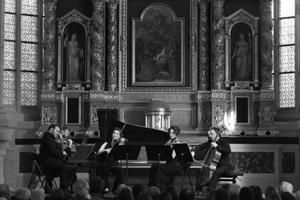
[170, 169]
[106, 164]
[52, 158]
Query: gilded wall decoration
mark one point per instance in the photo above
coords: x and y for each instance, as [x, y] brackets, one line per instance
[50, 28]
[98, 45]
[49, 115]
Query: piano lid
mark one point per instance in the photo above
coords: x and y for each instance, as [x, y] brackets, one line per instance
[135, 134]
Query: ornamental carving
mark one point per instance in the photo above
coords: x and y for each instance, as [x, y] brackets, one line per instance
[266, 43]
[49, 115]
[218, 114]
[266, 114]
[98, 46]
[49, 67]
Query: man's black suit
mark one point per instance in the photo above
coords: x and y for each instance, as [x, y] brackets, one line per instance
[224, 165]
[52, 157]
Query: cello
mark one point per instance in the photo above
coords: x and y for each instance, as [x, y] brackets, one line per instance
[209, 163]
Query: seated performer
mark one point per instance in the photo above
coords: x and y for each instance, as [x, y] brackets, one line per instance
[168, 170]
[106, 164]
[53, 158]
[221, 145]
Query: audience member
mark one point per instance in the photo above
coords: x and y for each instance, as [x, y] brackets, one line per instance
[5, 191]
[286, 187]
[81, 190]
[144, 196]
[221, 194]
[172, 192]
[246, 193]
[96, 188]
[287, 196]
[154, 192]
[187, 194]
[297, 195]
[125, 194]
[37, 194]
[165, 196]
[271, 189]
[136, 190]
[22, 194]
[273, 196]
[257, 192]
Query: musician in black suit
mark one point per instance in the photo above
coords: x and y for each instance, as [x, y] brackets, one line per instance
[170, 169]
[221, 145]
[53, 158]
[106, 164]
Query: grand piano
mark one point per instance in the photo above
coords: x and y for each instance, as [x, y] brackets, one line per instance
[136, 136]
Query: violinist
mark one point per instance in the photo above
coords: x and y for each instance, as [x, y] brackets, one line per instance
[168, 170]
[217, 143]
[52, 159]
[106, 164]
[66, 141]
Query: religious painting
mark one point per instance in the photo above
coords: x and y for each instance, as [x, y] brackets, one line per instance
[73, 53]
[241, 53]
[158, 48]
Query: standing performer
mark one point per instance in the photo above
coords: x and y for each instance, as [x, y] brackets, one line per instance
[52, 157]
[215, 142]
[105, 162]
[166, 171]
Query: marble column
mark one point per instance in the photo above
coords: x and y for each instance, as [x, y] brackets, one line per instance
[266, 44]
[50, 62]
[98, 45]
[112, 46]
[203, 46]
[218, 34]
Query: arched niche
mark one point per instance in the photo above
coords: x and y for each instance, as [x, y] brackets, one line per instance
[241, 47]
[73, 64]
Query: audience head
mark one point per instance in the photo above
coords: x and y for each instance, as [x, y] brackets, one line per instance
[154, 192]
[172, 192]
[5, 191]
[221, 194]
[22, 194]
[81, 188]
[119, 188]
[271, 189]
[136, 190]
[96, 186]
[246, 193]
[286, 187]
[165, 196]
[125, 194]
[59, 194]
[273, 196]
[37, 194]
[186, 194]
[145, 195]
[297, 195]
[287, 196]
[257, 192]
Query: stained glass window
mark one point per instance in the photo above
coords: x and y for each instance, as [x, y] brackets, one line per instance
[284, 46]
[24, 73]
[29, 88]
[287, 88]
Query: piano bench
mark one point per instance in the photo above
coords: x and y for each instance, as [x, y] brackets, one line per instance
[230, 177]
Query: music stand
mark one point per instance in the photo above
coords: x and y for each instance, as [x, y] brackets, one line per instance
[183, 153]
[94, 150]
[159, 153]
[125, 152]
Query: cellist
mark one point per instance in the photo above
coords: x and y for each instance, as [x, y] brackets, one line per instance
[215, 142]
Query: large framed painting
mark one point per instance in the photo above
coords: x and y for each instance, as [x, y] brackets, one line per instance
[158, 47]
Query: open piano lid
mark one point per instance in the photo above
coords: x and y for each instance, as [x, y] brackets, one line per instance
[135, 134]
